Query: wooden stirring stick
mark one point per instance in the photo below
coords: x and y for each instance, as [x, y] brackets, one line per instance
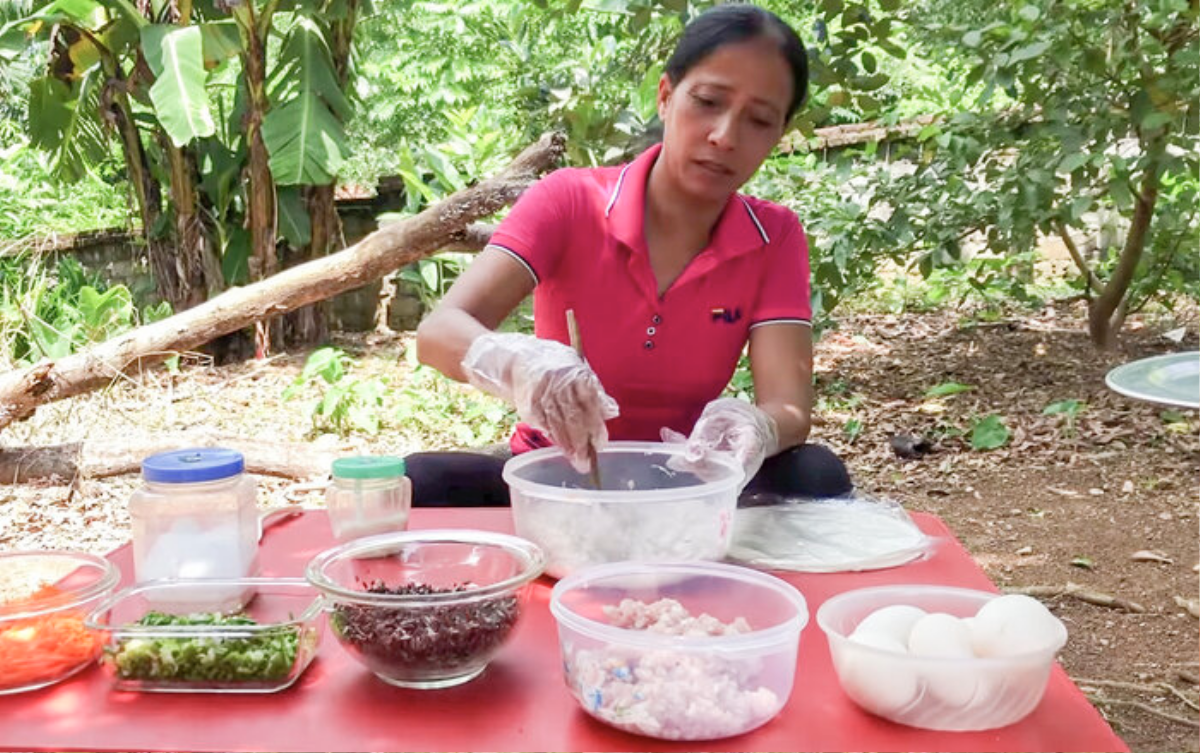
[577, 344]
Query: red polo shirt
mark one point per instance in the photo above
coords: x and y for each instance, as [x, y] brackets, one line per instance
[579, 233]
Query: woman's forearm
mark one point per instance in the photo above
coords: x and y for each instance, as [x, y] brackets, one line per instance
[792, 423]
[476, 304]
[443, 339]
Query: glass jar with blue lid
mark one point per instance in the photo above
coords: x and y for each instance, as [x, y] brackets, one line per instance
[196, 516]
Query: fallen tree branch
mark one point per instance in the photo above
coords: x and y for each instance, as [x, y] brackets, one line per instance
[1076, 591]
[1154, 689]
[1103, 701]
[101, 459]
[388, 248]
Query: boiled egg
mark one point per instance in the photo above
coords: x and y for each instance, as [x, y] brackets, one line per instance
[895, 621]
[880, 682]
[941, 636]
[1015, 624]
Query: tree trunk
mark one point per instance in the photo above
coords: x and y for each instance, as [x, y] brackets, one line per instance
[1106, 313]
[260, 188]
[308, 326]
[387, 249]
[102, 459]
[197, 265]
[146, 190]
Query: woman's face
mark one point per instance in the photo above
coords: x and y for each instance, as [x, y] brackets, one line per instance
[723, 117]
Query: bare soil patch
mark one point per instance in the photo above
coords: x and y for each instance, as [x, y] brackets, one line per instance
[1107, 505]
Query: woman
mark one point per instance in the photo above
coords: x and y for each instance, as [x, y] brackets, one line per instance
[669, 272]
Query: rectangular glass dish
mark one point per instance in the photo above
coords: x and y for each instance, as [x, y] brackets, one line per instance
[262, 648]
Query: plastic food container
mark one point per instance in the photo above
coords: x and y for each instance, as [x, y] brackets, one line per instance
[368, 495]
[196, 517]
[679, 651]
[932, 692]
[646, 511]
[426, 609]
[263, 648]
[44, 599]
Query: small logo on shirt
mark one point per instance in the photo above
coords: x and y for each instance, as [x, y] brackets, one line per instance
[729, 316]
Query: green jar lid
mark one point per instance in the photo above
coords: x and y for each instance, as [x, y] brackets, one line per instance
[369, 466]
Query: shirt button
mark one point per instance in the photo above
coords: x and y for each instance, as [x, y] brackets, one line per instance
[656, 319]
[648, 345]
[650, 331]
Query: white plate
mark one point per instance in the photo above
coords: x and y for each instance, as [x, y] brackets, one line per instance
[1173, 379]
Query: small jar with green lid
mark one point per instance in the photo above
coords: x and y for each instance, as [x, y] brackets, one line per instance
[369, 494]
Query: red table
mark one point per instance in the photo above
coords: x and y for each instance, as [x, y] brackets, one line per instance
[520, 703]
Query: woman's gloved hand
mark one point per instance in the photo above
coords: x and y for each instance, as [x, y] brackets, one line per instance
[550, 386]
[732, 426]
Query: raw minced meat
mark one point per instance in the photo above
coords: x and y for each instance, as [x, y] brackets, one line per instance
[669, 617]
[668, 693]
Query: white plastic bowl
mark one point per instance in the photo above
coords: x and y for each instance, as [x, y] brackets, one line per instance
[938, 693]
[646, 511]
[679, 687]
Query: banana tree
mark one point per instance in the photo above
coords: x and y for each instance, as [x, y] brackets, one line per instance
[217, 125]
[287, 131]
[110, 72]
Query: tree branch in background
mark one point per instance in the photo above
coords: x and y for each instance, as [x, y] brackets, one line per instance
[470, 240]
[1102, 311]
[387, 249]
[102, 459]
[1093, 282]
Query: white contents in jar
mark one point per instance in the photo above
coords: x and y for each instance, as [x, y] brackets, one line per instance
[671, 694]
[188, 551]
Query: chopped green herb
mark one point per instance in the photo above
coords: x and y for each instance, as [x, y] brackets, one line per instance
[262, 656]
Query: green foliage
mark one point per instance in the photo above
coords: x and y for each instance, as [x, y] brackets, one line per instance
[827, 198]
[303, 129]
[34, 206]
[1070, 410]
[346, 403]
[1081, 107]
[178, 94]
[946, 389]
[177, 98]
[1053, 114]
[989, 432]
[434, 409]
[741, 384]
[430, 278]
[54, 313]
[852, 429]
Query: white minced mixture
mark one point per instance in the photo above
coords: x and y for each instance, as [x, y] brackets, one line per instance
[580, 535]
[674, 695]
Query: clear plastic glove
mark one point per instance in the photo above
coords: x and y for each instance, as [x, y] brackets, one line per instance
[550, 386]
[732, 426]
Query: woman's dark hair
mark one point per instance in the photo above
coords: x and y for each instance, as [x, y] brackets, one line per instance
[734, 23]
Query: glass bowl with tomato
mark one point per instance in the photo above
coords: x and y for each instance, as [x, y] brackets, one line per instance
[45, 597]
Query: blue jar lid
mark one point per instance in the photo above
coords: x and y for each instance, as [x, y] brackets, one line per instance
[193, 465]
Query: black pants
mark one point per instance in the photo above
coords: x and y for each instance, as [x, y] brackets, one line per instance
[467, 479]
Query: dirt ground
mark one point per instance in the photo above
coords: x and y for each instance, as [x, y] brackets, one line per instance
[1098, 514]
